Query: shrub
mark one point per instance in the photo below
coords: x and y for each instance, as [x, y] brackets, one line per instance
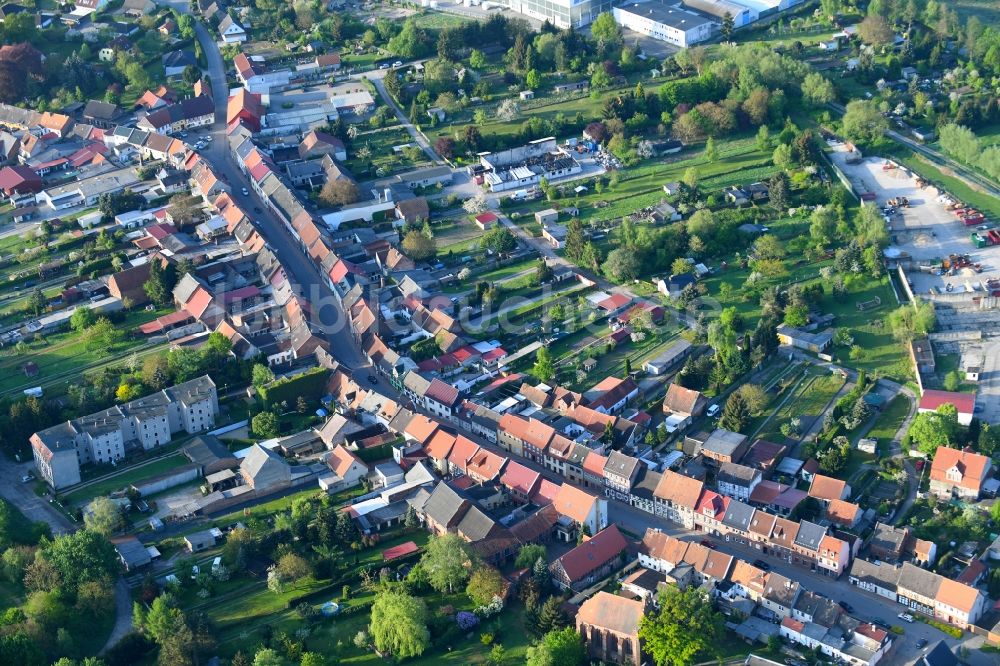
[466, 620]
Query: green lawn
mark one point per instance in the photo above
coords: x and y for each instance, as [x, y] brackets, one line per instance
[889, 421]
[383, 161]
[64, 354]
[739, 162]
[431, 20]
[807, 404]
[125, 478]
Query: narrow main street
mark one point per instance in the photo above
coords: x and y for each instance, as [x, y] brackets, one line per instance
[303, 273]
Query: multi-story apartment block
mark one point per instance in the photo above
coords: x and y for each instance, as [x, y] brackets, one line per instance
[110, 435]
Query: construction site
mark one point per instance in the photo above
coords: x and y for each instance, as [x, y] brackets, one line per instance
[944, 252]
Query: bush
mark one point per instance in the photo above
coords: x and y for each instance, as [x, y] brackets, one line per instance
[954, 632]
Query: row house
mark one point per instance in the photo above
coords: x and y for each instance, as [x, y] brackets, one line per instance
[524, 437]
[484, 466]
[479, 420]
[662, 553]
[737, 481]
[676, 498]
[866, 645]
[710, 511]
[593, 470]
[581, 510]
[619, 473]
[461, 452]
[521, 481]
[558, 452]
[921, 591]
[643, 493]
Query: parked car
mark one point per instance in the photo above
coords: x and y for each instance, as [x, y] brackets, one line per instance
[708, 543]
[905, 617]
[921, 643]
[846, 606]
[398, 63]
[27, 477]
[246, 192]
[384, 65]
[762, 565]
[712, 410]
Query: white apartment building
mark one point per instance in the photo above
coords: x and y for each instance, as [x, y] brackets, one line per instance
[109, 435]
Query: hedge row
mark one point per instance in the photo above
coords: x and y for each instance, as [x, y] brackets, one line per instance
[311, 385]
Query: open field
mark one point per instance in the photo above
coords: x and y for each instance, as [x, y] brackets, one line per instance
[63, 354]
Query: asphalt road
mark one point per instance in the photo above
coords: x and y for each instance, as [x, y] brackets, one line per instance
[302, 272]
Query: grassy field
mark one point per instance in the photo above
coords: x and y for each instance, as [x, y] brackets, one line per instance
[384, 161]
[739, 162]
[431, 20]
[63, 354]
[456, 236]
[125, 478]
[807, 404]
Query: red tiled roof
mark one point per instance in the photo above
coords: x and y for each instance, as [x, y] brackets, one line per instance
[401, 550]
[446, 394]
[614, 302]
[593, 554]
[827, 488]
[965, 403]
[594, 463]
[546, 493]
[520, 479]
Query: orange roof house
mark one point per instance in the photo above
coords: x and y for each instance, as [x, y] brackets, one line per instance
[828, 489]
[958, 473]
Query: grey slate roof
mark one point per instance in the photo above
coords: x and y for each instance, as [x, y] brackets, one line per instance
[736, 474]
[620, 464]
[809, 535]
[475, 525]
[445, 506]
[738, 515]
[919, 581]
[882, 575]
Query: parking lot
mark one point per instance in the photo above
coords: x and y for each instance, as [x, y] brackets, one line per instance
[927, 230]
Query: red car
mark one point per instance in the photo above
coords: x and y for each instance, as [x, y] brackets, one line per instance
[708, 543]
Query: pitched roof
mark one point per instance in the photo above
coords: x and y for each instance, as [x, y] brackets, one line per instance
[611, 612]
[957, 595]
[827, 488]
[594, 463]
[340, 461]
[520, 479]
[965, 403]
[421, 428]
[440, 445]
[485, 464]
[622, 465]
[680, 400]
[446, 394]
[574, 503]
[462, 451]
[593, 553]
[445, 506]
[972, 467]
[841, 511]
[809, 535]
[679, 489]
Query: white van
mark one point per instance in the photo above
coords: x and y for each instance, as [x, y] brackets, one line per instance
[712, 410]
[216, 564]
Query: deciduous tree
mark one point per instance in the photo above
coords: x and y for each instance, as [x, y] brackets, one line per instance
[684, 628]
[399, 623]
